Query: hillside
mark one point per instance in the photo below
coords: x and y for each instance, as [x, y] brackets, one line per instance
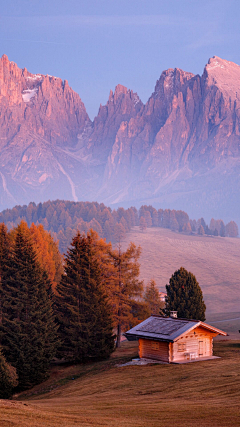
[213, 260]
[63, 218]
[103, 394]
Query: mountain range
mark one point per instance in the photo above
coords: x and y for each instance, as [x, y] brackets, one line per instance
[179, 150]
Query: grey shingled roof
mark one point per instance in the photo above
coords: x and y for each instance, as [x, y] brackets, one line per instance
[162, 328]
[167, 328]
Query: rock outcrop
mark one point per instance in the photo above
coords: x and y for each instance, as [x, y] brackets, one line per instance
[40, 117]
[180, 149]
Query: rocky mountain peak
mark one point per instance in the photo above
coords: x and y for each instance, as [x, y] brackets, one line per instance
[122, 94]
[120, 89]
[4, 62]
[171, 81]
[123, 105]
[119, 92]
[223, 74]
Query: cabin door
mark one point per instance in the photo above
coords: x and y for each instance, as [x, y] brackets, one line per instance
[200, 348]
[208, 347]
[204, 347]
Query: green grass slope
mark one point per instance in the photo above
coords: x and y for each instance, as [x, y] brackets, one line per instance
[201, 394]
[215, 261]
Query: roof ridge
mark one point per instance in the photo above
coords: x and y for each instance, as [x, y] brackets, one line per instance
[174, 318]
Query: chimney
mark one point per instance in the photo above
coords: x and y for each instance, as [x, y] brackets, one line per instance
[173, 314]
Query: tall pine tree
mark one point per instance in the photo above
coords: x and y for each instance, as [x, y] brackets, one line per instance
[82, 308]
[28, 329]
[152, 299]
[126, 288]
[8, 378]
[5, 253]
[184, 295]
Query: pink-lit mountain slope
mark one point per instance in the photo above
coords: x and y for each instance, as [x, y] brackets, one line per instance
[180, 149]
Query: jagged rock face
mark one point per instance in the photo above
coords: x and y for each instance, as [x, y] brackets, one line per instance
[189, 126]
[39, 115]
[48, 106]
[180, 149]
[147, 141]
[122, 105]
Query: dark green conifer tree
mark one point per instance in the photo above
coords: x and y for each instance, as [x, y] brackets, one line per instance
[28, 329]
[5, 253]
[8, 378]
[184, 295]
[82, 308]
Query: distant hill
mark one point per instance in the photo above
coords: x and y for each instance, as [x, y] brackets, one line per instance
[180, 150]
[213, 260]
[64, 218]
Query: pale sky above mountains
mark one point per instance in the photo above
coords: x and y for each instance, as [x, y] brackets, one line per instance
[96, 44]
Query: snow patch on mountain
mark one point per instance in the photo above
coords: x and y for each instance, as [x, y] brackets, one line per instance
[136, 99]
[28, 94]
[35, 77]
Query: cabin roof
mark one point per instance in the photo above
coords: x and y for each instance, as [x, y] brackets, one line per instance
[167, 328]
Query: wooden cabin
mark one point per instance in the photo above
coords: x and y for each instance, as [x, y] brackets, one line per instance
[173, 340]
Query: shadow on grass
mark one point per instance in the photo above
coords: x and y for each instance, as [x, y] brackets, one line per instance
[234, 344]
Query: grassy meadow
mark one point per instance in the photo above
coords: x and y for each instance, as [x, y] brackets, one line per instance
[215, 261]
[198, 394]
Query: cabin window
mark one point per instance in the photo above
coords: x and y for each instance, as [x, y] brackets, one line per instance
[182, 346]
[154, 345]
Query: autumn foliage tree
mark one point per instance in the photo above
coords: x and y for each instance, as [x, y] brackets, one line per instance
[47, 252]
[46, 249]
[126, 288]
[127, 307]
[231, 229]
[142, 224]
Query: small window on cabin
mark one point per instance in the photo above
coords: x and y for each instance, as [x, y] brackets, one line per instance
[154, 345]
[182, 346]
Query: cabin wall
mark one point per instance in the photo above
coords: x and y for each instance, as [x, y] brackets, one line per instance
[150, 349]
[194, 344]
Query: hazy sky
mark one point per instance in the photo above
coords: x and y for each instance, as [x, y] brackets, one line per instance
[96, 44]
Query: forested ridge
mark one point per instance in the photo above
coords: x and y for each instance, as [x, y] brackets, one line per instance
[64, 218]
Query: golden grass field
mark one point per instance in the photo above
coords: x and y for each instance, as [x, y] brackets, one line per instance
[215, 261]
[201, 394]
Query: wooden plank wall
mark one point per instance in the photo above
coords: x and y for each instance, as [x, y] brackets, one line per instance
[151, 349]
[198, 344]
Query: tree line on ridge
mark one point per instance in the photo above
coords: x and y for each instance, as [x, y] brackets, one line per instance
[64, 218]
